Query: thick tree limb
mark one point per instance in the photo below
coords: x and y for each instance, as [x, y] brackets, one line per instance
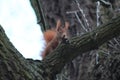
[81, 44]
[14, 67]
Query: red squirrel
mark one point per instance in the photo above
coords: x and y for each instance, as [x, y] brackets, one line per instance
[54, 36]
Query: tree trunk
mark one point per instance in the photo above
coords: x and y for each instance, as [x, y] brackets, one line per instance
[15, 67]
[84, 16]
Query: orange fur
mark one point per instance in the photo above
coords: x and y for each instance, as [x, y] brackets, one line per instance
[48, 35]
[54, 37]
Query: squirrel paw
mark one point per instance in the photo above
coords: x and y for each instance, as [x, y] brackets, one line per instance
[65, 40]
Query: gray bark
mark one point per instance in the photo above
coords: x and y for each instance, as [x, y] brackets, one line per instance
[15, 67]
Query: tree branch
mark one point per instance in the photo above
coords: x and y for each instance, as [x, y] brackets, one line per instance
[65, 53]
[15, 67]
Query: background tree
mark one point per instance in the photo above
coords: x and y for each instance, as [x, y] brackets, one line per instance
[15, 67]
[84, 16]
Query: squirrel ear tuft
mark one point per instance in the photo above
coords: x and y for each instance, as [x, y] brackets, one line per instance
[67, 25]
[58, 25]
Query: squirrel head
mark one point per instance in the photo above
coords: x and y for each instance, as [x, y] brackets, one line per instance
[62, 30]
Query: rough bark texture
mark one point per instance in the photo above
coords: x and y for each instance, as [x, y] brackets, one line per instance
[82, 67]
[13, 66]
[81, 44]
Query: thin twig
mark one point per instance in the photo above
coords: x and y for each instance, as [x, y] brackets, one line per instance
[83, 14]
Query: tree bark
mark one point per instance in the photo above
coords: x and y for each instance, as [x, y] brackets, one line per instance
[15, 67]
[66, 52]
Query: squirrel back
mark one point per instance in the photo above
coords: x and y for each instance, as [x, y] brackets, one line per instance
[48, 35]
[54, 36]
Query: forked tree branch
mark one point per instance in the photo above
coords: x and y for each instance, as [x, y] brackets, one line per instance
[66, 52]
[13, 66]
